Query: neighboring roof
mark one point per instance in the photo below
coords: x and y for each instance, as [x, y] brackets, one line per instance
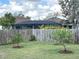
[40, 22]
[55, 19]
[21, 19]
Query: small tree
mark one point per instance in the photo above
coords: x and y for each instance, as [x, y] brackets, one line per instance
[63, 36]
[17, 38]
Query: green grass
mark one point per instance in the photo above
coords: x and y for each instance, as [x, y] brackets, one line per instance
[36, 50]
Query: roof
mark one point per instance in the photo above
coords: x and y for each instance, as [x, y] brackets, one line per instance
[21, 19]
[39, 22]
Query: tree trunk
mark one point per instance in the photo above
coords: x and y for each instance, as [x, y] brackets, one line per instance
[77, 35]
[64, 47]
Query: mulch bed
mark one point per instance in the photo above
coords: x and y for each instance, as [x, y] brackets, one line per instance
[17, 46]
[65, 52]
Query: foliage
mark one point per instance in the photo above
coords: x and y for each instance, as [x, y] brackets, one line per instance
[17, 38]
[50, 27]
[7, 20]
[63, 36]
[33, 38]
[27, 17]
[70, 9]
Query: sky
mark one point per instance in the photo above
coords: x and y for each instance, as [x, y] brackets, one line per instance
[36, 9]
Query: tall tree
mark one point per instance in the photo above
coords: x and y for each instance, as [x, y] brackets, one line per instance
[7, 20]
[70, 9]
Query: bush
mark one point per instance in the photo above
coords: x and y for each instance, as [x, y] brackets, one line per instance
[33, 38]
[63, 36]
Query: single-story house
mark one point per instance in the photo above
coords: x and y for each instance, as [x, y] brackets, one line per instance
[35, 24]
[24, 23]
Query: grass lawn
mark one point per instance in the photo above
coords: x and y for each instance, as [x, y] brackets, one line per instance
[36, 50]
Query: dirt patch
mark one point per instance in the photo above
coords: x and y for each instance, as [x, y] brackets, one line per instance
[17, 46]
[65, 51]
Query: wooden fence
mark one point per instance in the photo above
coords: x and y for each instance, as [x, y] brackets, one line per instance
[47, 34]
[40, 34]
[6, 35]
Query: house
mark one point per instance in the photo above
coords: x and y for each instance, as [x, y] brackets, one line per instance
[24, 23]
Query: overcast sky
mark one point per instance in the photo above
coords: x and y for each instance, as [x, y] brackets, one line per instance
[33, 8]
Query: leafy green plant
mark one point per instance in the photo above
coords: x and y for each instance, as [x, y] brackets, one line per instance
[63, 36]
[17, 38]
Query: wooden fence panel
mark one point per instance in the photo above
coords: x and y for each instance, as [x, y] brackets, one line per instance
[40, 34]
[47, 34]
[6, 35]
